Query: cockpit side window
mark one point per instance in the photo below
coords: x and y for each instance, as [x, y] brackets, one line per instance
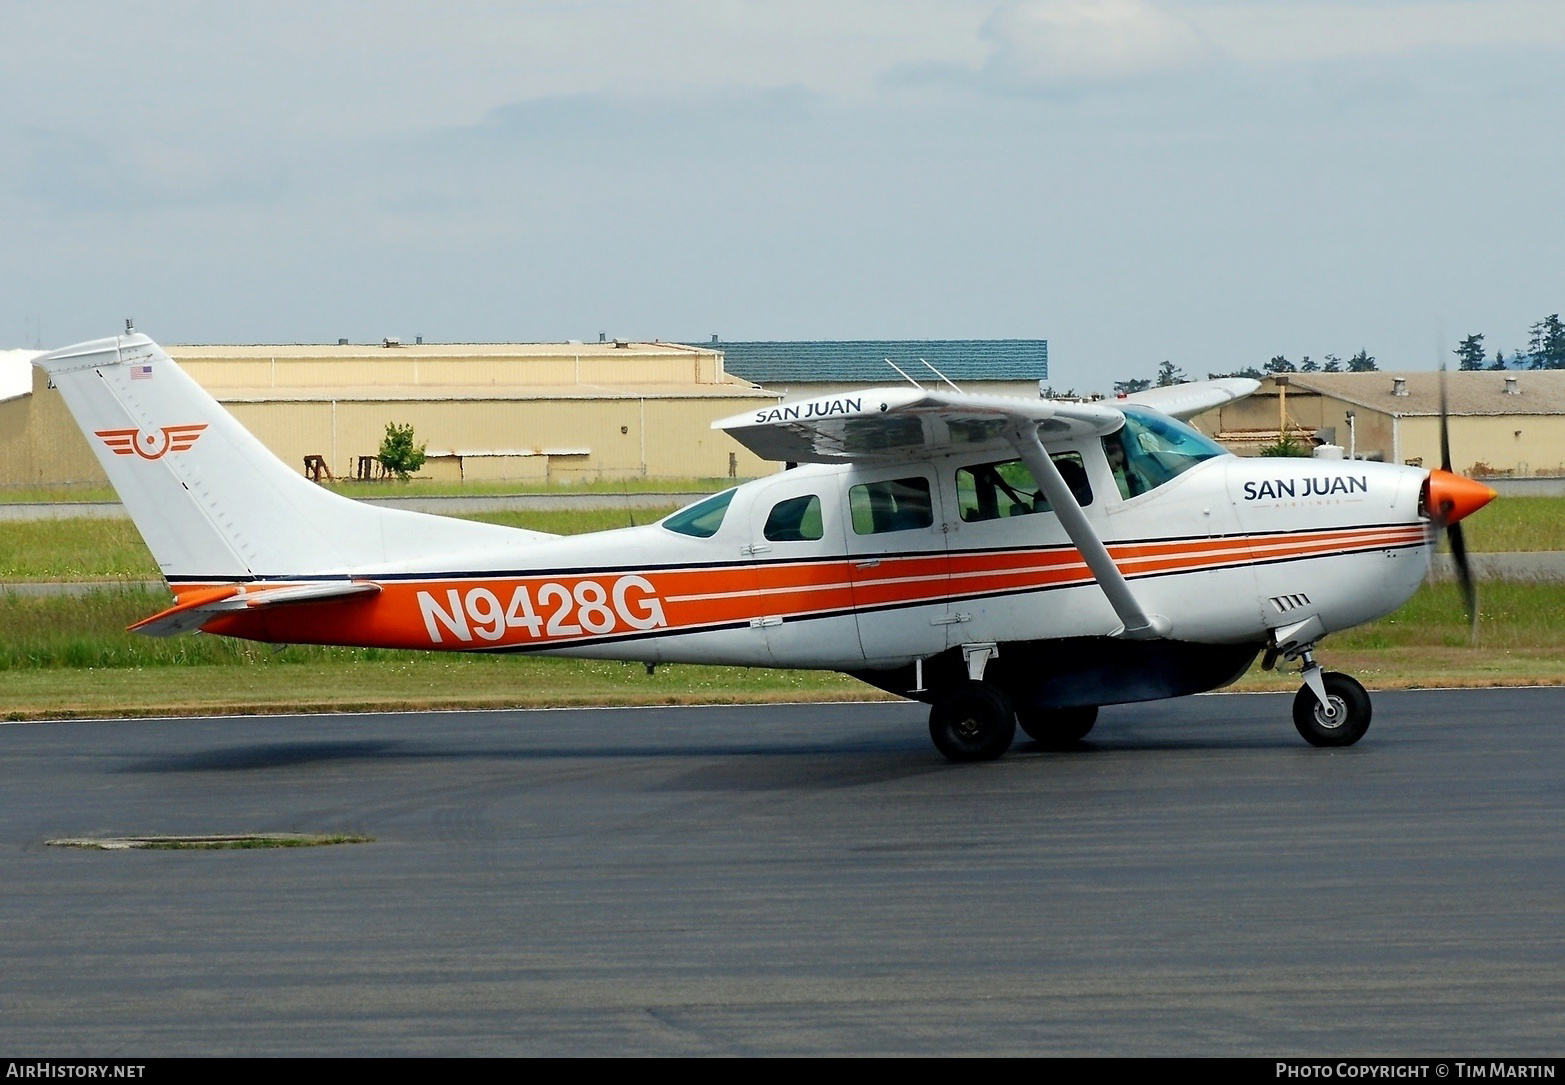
[703, 518]
[994, 491]
[798, 519]
[1151, 449]
[897, 504]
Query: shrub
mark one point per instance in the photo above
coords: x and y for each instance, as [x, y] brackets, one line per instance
[398, 454]
[1288, 445]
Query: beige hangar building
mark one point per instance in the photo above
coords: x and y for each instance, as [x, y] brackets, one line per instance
[1502, 422]
[560, 412]
[487, 412]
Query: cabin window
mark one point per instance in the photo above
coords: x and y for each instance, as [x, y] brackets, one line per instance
[797, 519]
[703, 518]
[1150, 449]
[994, 491]
[897, 504]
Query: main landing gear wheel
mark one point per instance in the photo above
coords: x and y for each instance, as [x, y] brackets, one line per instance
[1057, 728]
[1347, 719]
[974, 722]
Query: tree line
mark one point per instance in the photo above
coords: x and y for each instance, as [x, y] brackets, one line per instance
[1168, 373]
[1545, 349]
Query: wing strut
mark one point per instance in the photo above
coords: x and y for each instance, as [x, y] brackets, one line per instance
[1137, 623]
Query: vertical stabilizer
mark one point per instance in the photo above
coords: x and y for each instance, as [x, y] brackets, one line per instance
[211, 501]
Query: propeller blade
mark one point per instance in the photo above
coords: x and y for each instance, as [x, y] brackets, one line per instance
[1453, 528]
[1445, 423]
[1464, 577]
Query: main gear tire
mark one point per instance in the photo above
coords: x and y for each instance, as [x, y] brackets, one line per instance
[974, 722]
[1057, 728]
[1348, 720]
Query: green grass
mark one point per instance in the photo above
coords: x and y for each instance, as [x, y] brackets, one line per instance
[572, 521]
[1510, 524]
[65, 656]
[73, 550]
[57, 494]
[34, 550]
[417, 487]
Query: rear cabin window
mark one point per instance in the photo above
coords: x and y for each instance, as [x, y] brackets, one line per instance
[797, 519]
[703, 518]
[898, 504]
[1149, 450]
[994, 491]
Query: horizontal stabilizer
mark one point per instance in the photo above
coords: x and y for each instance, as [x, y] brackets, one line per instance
[198, 608]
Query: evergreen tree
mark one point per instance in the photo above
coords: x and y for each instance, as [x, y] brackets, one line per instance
[1281, 364]
[1499, 360]
[1168, 373]
[1248, 371]
[1132, 386]
[1333, 364]
[1547, 345]
[1471, 353]
[1308, 365]
[1362, 362]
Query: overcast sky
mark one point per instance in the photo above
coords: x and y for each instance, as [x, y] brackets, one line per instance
[1209, 182]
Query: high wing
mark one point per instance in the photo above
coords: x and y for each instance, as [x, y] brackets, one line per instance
[887, 424]
[1185, 401]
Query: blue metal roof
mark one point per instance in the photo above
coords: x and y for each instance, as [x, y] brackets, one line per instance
[863, 361]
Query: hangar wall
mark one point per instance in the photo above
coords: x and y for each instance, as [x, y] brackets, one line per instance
[40, 444]
[487, 412]
[1501, 423]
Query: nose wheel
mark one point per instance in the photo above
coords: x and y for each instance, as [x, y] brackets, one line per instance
[1331, 709]
[974, 722]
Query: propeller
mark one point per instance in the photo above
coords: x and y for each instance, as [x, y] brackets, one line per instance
[1446, 514]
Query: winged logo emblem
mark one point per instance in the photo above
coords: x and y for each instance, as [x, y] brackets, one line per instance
[150, 446]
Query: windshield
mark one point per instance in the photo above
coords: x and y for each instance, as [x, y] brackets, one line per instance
[703, 518]
[1150, 449]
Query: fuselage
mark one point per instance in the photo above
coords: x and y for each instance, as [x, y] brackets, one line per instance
[836, 567]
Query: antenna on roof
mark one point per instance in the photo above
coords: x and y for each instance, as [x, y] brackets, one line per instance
[939, 374]
[905, 377]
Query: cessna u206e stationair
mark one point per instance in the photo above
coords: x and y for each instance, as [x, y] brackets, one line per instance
[1004, 560]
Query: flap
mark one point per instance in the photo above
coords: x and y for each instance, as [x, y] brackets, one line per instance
[879, 424]
[196, 609]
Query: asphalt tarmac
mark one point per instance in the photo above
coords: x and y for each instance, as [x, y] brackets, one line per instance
[797, 879]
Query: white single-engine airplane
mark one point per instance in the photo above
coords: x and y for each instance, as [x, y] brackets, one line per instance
[1004, 560]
